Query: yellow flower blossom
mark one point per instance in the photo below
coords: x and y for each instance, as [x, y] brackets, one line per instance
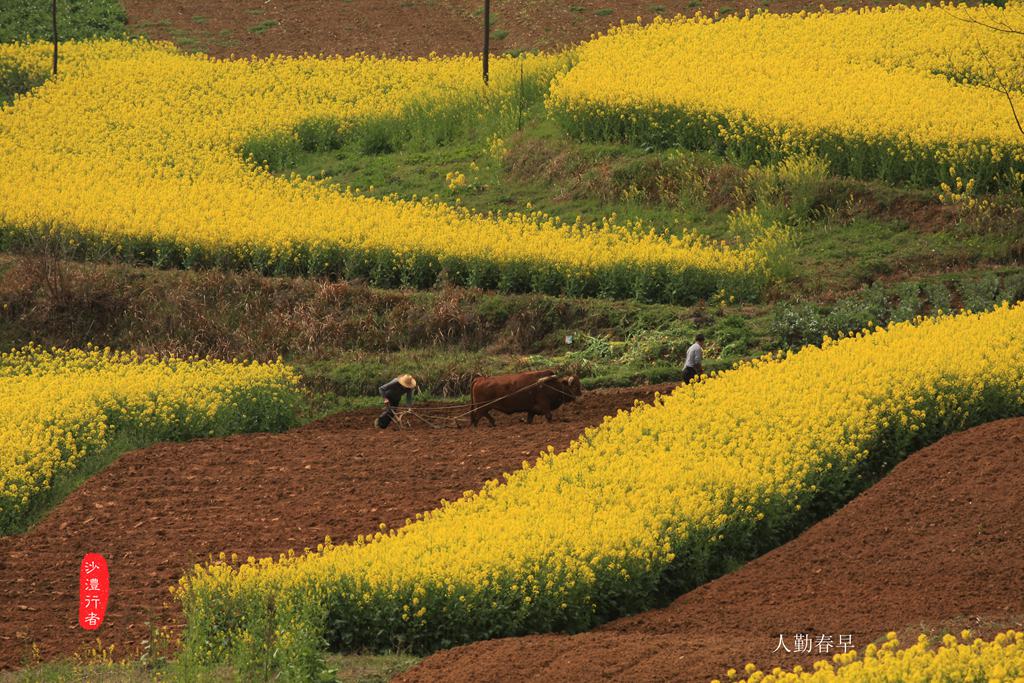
[902, 94]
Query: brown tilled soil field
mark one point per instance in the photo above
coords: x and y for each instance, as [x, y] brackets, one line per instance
[407, 27]
[157, 511]
[938, 544]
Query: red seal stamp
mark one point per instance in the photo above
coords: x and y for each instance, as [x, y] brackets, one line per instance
[93, 591]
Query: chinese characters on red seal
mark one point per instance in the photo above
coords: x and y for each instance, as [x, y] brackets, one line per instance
[93, 591]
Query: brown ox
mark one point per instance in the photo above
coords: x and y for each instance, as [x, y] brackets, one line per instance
[534, 393]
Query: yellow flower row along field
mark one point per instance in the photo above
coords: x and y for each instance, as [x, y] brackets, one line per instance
[964, 660]
[900, 94]
[59, 408]
[137, 153]
[649, 504]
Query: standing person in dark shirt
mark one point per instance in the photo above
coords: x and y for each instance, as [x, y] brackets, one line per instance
[392, 393]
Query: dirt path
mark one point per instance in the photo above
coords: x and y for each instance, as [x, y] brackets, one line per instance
[406, 27]
[937, 544]
[157, 511]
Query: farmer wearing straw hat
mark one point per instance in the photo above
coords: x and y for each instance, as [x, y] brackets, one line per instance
[392, 393]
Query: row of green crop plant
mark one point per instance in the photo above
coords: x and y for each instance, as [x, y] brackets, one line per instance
[656, 272]
[794, 324]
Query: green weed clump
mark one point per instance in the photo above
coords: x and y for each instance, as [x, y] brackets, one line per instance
[796, 323]
[23, 20]
[793, 185]
[420, 127]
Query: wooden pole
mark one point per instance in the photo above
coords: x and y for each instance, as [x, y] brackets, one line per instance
[487, 41]
[53, 9]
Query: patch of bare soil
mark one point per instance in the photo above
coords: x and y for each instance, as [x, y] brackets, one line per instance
[406, 27]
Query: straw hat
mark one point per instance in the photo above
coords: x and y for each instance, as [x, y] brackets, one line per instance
[407, 381]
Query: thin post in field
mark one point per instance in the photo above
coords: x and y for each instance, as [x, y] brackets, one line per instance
[53, 11]
[487, 41]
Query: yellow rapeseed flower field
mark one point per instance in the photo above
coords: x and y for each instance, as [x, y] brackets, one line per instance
[137, 153]
[652, 502]
[901, 94]
[963, 659]
[61, 407]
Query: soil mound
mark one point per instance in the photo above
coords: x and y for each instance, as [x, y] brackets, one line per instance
[938, 544]
[155, 512]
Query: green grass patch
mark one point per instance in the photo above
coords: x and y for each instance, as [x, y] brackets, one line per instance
[538, 171]
[797, 323]
[100, 668]
[369, 668]
[263, 26]
[22, 20]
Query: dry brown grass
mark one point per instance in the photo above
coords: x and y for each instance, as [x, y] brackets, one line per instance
[53, 301]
